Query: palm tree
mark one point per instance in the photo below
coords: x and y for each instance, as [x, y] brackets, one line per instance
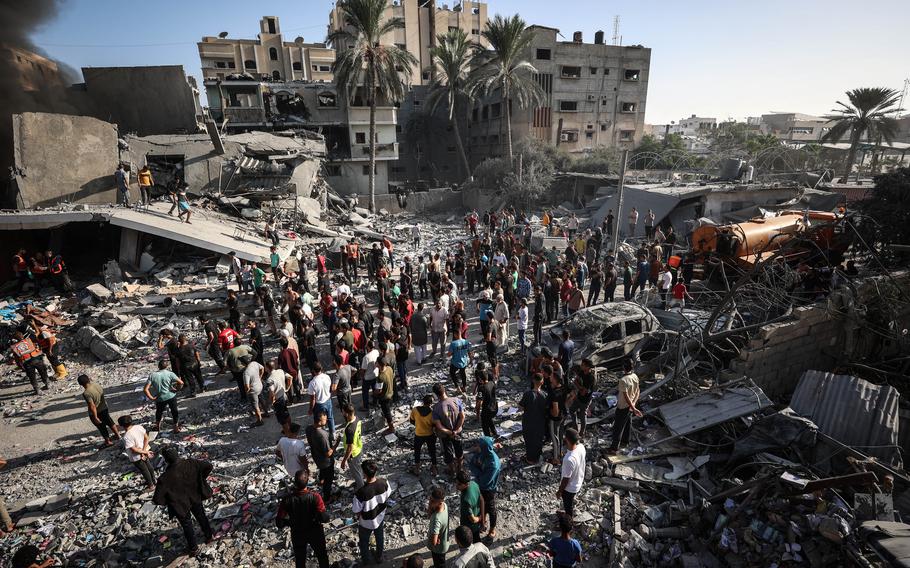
[870, 114]
[452, 56]
[382, 70]
[504, 67]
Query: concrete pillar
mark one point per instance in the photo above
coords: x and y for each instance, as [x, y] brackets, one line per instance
[129, 247]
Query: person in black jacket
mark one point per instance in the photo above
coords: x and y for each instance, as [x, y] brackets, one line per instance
[182, 488]
[304, 511]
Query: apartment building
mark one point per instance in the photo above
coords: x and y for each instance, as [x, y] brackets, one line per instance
[35, 72]
[423, 21]
[268, 57]
[693, 126]
[794, 127]
[594, 95]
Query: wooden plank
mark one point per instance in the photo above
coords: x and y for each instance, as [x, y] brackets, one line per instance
[616, 460]
[617, 516]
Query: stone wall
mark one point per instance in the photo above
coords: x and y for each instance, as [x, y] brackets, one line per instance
[61, 157]
[818, 337]
[434, 200]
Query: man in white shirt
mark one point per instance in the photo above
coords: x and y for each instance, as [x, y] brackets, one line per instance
[136, 448]
[633, 221]
[439, 319]
[573, 471]
[665, 283]
[276, 385]
[320, 391]
[291, 450]
[368, 374]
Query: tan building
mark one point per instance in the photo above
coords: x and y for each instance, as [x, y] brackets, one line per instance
[268, 57]
[35, 71]
[423, 21]
[594, 95]
[794, 127]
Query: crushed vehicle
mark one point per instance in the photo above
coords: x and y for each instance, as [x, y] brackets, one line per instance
[607, 333]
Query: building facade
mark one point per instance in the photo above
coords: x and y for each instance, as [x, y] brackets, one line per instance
[268, 57]
[35, 72]
[594, 95]
[794, 127]
[694, 126]
[423, 21]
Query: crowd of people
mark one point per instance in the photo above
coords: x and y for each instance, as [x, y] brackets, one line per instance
[324, 345]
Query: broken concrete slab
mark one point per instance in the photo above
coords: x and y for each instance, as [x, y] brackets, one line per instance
[100, 292]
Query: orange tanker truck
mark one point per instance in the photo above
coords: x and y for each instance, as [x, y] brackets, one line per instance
[741, 243]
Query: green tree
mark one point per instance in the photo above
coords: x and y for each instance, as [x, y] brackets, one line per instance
[382, 70]
[503, 67]
[452, 56]
[887, 209]
[870, 113]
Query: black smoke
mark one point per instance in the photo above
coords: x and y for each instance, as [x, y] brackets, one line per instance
[18, 20]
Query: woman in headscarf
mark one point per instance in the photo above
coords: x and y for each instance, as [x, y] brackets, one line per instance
[485, 467]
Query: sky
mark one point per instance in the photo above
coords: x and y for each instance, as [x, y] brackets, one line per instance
[715, 58]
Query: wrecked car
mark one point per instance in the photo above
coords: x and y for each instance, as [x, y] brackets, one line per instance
[606, 333]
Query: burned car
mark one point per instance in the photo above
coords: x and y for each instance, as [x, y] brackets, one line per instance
[606, 333]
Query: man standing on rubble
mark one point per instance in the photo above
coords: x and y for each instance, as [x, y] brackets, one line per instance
[321, 448]
[573, 471]
[580, 398]
[252, 387]
[190, 365]
[633, 222]
[320, 391]
[161, 388]
[448, 421]
[236, 360]
[534, 419]
[211, 331]
[145, 185]
[182, 488]
[352, 442]
[97, 409]
[304, 512]
[626, 406]
[122, 179]
[136, 447]
[369, 505]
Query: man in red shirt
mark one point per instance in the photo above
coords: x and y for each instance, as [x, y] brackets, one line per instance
[226, 337]
[680, 293]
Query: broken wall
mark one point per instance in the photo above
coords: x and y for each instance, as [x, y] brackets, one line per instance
[63, 158]
[442, 199]
[819, 337]
[142, 100]
[202, 165]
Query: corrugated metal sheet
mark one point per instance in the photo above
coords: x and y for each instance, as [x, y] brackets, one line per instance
[704, 410]
[851, 410]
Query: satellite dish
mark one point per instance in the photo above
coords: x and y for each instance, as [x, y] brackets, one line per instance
[299, 40]
[223, 35]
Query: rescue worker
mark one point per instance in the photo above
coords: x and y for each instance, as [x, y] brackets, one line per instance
[58, 273]
[48, 343]
[28, 358]
[20, 269]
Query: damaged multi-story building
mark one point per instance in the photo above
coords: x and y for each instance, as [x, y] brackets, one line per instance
[594, 95]
[269, 84]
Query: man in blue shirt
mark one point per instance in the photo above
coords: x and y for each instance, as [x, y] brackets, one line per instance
[566, 550]
[460, 352]
[641, 277]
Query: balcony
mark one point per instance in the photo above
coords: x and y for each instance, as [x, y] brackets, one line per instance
[244, 115]
[361, 152]
[216, 51]
[361, 115]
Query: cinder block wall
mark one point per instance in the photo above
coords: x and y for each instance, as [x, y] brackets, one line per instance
[814, 338]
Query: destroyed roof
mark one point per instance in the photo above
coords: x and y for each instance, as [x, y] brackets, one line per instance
[209, 230]
[706, 409]
[851, 410]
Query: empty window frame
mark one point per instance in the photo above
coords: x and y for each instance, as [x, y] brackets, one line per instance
[568, 106]
[626, 135]
[632, 74]
[543, 54]
[571, 72]
[629, 107]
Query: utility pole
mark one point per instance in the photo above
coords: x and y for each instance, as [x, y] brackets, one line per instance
[622, 181]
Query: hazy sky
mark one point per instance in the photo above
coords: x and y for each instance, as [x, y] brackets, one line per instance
[719, 58]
